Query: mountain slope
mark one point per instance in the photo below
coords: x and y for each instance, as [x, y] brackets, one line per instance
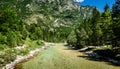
[56, 18]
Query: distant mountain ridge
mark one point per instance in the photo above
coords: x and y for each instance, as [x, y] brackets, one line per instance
[60, 12]
[58, 17]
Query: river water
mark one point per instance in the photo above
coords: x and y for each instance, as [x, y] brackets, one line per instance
[60, 57]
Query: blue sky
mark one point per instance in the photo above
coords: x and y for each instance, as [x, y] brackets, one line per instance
[98, 3]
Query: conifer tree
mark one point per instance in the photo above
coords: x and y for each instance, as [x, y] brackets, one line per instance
[116, 24]
[106, 25]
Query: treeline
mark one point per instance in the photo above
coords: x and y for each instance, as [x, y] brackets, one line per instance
[100, 30]
[13, 29]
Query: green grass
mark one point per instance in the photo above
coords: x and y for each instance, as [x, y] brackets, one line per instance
[58, 57]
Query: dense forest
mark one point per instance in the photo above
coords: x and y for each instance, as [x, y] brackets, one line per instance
[35, 21]
[100, 30]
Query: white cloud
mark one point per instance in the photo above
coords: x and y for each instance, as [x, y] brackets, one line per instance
[78, 0]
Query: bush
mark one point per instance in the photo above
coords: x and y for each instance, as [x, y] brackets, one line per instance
[22, 52]
[71, 40]
[2, 46]
[2, 39]
[11, 39]
[33, 36]
[9, 57]
[80, 44]
[40, 42]
[18, 39]
[14, 39]
[10, 50]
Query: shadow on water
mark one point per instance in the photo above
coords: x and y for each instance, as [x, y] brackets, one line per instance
[100, 59]
[70, 48]
[93, 58]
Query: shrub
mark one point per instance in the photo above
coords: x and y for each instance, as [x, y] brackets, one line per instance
[22, 52]
[18, 39]
[11, 39]
[14, 39]
[71, 40]
[39, 42]
[2, 39]
[2, 46]
[9, 57]
[10, 50]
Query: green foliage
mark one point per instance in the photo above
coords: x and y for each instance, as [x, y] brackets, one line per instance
[89, 31]
[24, 32]
[3, 39]
[8, 19]
[106, 8]
[95, 27]
[14, 38]
[71, 39]
[22, 52]
[33, 44]
[96, 30]
[2, 47]
[11, 40]
[106, 20]
[116, 24]
[39, 42]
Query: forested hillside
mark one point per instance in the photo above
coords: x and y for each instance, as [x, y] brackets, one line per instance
[31, 22]
[49, 20]
[102, 29]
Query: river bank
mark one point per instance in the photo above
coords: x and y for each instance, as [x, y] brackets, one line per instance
[60, 57]
[19, 58]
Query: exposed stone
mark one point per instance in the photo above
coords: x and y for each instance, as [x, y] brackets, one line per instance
[23, 58]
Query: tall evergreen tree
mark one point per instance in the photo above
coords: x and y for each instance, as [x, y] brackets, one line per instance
[116, 7]
[105, 25]
[106, 8]
[96, 31]
[116, 23]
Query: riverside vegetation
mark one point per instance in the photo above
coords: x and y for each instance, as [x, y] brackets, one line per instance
[30, 22]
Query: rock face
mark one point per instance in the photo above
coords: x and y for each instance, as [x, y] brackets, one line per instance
[53, 13]
[49, 12]
[54, 17]
[57, 13]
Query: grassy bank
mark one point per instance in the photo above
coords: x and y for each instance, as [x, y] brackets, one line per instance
[60, 57]
[8, 55]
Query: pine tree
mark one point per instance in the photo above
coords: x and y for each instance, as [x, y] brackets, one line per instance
[116, 23]
[105, 25]
[106, 8]
[96, 31]
[116, 7]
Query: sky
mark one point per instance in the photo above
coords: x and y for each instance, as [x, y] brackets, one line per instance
[98, 3]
